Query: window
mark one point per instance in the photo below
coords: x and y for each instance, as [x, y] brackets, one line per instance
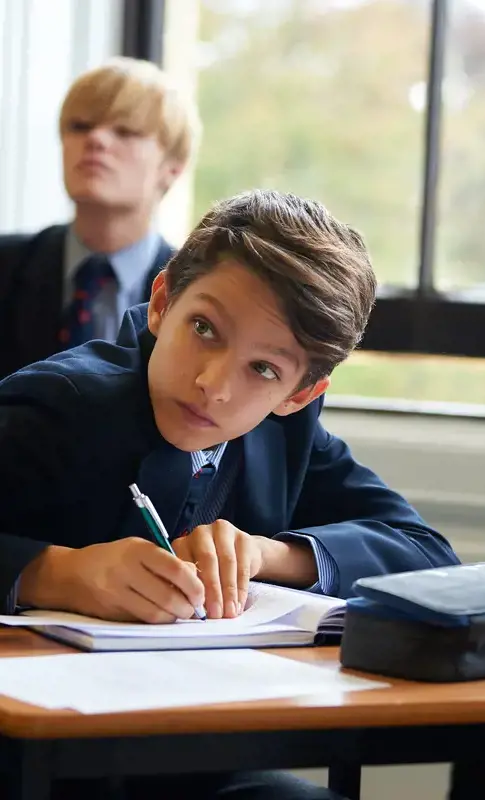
[377, 108]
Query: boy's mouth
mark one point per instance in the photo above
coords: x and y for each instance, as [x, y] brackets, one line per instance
[195, 416]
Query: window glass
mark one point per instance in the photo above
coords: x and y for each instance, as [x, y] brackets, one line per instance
[436, 379]
[323, 98]
[460, 251]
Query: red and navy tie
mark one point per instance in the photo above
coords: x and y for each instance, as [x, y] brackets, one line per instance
[78, 323]
[198, 488]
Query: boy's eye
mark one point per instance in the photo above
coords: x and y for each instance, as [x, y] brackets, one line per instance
[266, 372]
[203, 329]
[79, 126]
[124, 133]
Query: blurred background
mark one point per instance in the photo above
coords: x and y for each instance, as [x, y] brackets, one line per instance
[341, 100]
[374, 107]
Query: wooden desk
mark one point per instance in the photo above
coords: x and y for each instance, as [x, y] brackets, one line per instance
[405, 723]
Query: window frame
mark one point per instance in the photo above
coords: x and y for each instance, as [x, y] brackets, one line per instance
[143, 27]
[422, 319]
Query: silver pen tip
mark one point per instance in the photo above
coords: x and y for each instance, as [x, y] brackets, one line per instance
[135, 490]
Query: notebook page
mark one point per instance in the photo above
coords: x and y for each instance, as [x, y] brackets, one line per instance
[266, 605]
[299, 609]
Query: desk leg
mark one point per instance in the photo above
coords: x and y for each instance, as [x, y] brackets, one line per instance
[467, 780]
[344, 779]
[31, 775]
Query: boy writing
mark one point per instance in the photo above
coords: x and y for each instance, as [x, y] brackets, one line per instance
[223, 372]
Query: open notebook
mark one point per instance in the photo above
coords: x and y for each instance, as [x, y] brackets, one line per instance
[274, 617]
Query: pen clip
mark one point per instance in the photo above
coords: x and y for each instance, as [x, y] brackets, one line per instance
[142, 501]
[137, 495]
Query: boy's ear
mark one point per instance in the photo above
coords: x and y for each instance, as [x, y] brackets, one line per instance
[302, 398]
[158, 302]
[170, 169]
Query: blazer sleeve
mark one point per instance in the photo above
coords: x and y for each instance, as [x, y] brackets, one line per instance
[366, 528]
[39, 443]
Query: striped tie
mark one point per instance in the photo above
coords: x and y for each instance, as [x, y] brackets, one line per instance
[199, 485]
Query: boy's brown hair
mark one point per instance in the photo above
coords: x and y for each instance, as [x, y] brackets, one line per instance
[139, 94]
[318, 267]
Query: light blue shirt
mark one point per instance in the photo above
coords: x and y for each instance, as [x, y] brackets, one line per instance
[202, 457]
[130, 267]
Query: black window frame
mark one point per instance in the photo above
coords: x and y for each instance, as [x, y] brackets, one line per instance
[142, 29]
[419, 320]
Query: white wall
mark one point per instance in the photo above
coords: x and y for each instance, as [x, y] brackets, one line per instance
[437, 462]
[44, 45]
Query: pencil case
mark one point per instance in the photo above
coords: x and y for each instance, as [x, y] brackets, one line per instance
[427, 625]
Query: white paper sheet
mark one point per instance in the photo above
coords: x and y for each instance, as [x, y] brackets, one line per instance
[115, 682]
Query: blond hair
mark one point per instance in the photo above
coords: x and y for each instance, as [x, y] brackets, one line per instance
[140, 94]
[318, 267]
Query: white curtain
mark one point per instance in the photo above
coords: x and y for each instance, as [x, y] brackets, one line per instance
[44, 45]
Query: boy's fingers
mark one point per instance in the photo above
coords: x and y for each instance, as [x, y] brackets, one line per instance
[138, 608]
[205, 554]
[224, 539]
[175, 571]
[163, 595]
[243, 553]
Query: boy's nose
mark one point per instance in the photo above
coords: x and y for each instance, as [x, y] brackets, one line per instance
[99, 137]
[215, 381]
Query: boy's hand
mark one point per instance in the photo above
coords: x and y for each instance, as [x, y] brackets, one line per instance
[129, 579]
[226, 559]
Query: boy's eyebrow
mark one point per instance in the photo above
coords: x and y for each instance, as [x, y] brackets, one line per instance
[282, 352]
[216, 303]
[277, 351]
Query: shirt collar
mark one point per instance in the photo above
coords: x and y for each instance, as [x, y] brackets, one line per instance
[129, 264]
[202, 457]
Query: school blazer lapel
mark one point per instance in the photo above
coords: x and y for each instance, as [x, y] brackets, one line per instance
[262, 493]
[39, 297]
[164, 476]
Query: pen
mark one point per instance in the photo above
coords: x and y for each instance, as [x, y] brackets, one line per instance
[157, 529]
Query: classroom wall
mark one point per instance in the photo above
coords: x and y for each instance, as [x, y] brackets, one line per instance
[437, 462]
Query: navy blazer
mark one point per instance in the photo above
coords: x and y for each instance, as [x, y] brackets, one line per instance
[31, 280]
[77, 429]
